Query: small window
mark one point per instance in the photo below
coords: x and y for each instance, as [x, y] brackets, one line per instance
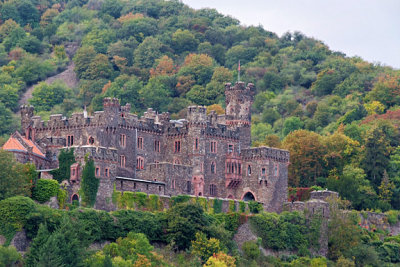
[140, 142]
[188, 186]
[147, 186]
[173, 184]
[177, 162]
[230, 148]
[122, 140]
[213, 146]
[157, 146]
[177, 146]
[213, 167]
[107, 172]
[122, 161]
[122, 184]
[263, 171]
[97, 171]
[228, 167]
[240, 168]
[276, 169]
[134, 185]
[139, 163]
[159, 188]
[248, 170]
[91, 140]
[213, 190]
[196, 144]
[70, 140]
[73, 172]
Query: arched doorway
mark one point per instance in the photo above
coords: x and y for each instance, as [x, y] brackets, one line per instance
[249, 196]
[75, 197]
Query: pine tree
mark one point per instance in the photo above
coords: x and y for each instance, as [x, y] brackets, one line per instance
[89, 184]
[32, 258]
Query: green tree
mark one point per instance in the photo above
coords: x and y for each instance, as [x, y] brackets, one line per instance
[184, 221]
[291, 124]
[13, 179]
[82, 59]
[203, 247]
[147, 52]
[32, 257]
[46, 96]
[156, 93]
[99, 68]
[9, 256]
[89, 183]
[184, 40]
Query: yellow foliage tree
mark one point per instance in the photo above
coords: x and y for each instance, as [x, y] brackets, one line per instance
[374, 107]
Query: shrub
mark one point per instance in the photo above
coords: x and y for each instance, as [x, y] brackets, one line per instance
[255, 207]
[232, 206]
[14, 211]
[140, 199]
[180, 199]
[128, 200]
[392, 216]
[44, 190]
[217, 205]
[61, 197]
[154, 202]
[9, 256]
[242, 206]
[250, 250]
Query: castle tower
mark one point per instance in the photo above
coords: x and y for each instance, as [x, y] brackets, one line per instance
[239, 99]
[26, 118]
[111, 109]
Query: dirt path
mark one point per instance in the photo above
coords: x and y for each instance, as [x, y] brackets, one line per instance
[68, 76]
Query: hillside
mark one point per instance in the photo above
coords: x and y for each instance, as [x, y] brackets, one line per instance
[337, 115]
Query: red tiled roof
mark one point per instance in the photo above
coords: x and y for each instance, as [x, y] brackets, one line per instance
[35, 149]
[13, 144]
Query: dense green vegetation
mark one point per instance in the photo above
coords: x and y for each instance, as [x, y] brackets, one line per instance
[165, 55]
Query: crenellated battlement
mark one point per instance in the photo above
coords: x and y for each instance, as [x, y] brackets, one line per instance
[266, 153]
[97, 153]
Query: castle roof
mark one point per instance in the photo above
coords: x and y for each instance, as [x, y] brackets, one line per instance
[18, 143]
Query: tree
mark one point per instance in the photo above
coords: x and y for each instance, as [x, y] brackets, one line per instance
[13, 179]
[156, 93]
[32, 258]
[147, 52]
[386, 188]
[306, 157]
[165, 66]
[203, 247]
[46, 96]
[291, 124]
[9, 256]
[82, 59]
[99, 68]
[386, 90]
[184, 221]
[184, 40]
[220, 260]
[89, 183]
[199, 66]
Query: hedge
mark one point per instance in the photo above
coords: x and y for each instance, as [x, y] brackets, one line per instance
[44, 190]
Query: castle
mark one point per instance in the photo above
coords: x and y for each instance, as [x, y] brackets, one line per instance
[201, 155]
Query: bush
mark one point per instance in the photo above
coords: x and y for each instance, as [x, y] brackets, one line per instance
[251, 250]
[242, 206]
[179, 199]
[232, 206]
[61, 198]
[217, 205]
[44, 190]
[9, 256]
[255, 207]
[14, 211]
[392, 216]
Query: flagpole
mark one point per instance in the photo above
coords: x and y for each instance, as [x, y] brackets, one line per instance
[239, 71]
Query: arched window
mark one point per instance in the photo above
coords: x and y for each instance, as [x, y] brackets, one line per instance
[177, 161]
[213, 190]
[248, 170]
[91, 140]
[213, 170]
[139, 163]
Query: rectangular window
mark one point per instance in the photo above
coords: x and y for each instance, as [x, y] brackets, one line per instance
[97, 171]
[188, 186]
[177, 147]
[157, 146]
[122, 140]
[73, 172]
[263, 171]
[107, 172]
[230, 148]
[134, 185]
[276, 169]
[196, 144]
[213, 146]
[122, 161]
[140, 142]
[70, 140]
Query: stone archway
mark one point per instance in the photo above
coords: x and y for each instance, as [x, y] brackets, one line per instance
[75, 197]
[249, 197]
